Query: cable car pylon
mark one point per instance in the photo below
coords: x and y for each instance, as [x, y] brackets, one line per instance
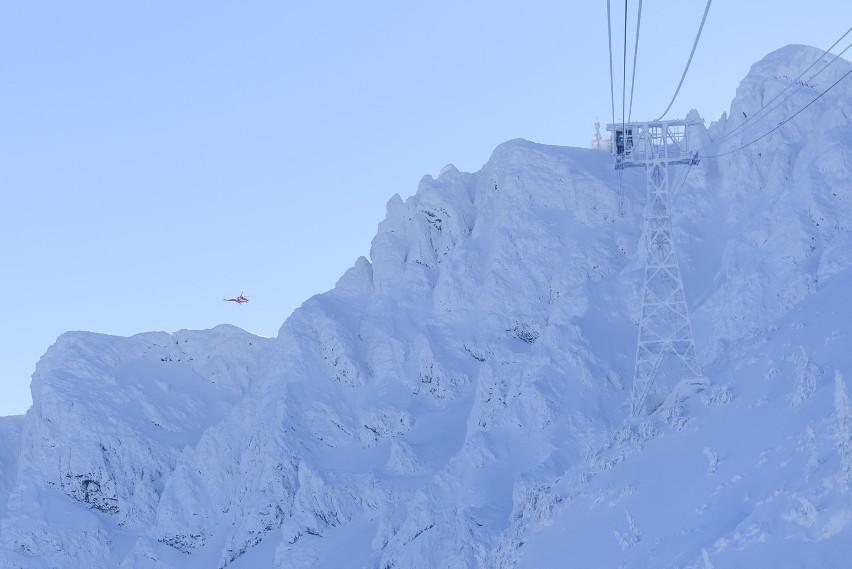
[667, 369]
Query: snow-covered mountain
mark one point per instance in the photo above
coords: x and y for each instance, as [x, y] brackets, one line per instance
[460, 399]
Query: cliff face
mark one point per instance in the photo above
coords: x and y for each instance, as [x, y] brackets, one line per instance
[460, 398]
[10, 446]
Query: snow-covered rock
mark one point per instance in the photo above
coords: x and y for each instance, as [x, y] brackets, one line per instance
[460, 398]
[10, 447]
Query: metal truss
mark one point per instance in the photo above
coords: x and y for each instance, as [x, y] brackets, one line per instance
[666, 365]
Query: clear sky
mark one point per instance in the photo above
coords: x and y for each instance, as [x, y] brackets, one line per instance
[158, 156]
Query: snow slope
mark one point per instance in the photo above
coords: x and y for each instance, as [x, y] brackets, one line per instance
[460, 398]
[754, 472]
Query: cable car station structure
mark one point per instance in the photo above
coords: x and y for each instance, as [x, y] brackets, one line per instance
[667, 367]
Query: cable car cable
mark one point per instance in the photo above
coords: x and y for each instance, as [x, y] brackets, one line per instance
[624, 71]
[689, 61]
[611, 80]
[635, 54]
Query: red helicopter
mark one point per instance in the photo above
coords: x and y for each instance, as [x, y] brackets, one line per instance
[239, 300]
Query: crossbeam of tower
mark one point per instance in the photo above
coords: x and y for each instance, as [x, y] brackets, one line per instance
[666, 367]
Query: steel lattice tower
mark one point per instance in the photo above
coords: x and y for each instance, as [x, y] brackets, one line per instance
[667, 365]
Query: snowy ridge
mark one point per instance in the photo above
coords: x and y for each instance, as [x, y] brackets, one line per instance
[793, 179]
[460, 398]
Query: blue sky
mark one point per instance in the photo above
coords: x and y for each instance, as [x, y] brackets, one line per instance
[155, 157]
